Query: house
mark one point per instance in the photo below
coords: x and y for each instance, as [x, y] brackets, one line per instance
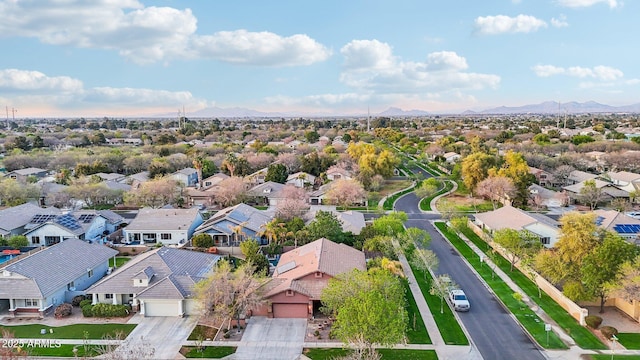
[351, 221]
[124, 141]
[213, 180]
[301, 179]
[451, 157]
[22, 175]
[162, 226]
[231, 225]
[508, 217]
[110, 176]
[159, 282]
[268, 193]
[14, 219]
[624, 180]
[543, 178]
[187, 176]
[336, 172]
[37, 283]
[257, 177]
[620, 223]
[609, 190]
[577, 176]
[301, 275]
[47, 230]
[136, 179]
[541, 196]
[317, 196]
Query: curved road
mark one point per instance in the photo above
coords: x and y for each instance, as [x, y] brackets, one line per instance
[494, 332]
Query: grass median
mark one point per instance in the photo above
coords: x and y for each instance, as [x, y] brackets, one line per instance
[76, 331]
[425, 203]
[387, 354]
[416, 330]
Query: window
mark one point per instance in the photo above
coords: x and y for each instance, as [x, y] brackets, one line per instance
[108, 296]
[71, 285]
[545, 240]
[131, 295]
[31, 302]
[165, 236]
[289, 293]
[318, 274]
[90, 273]
[35, 239]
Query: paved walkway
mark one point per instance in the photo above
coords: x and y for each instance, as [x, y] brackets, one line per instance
[271, 339]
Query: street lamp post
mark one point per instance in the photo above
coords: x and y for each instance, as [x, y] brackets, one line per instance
[613, 350]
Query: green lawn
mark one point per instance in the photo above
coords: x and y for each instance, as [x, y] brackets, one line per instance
[416, 330]
[63, 350]
[209, 352]
[120, 260]
[480, 207]
[631, 341]
[608, 357]
[76, 331]
[425, 203]
[450, 330]
[526, 316]
[386, 354]
[202, 332]
[580, 334]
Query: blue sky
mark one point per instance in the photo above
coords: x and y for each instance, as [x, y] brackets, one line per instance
[133, 58]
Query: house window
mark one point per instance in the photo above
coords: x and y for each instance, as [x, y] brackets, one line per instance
[90, 273]
[318, 274]
[31, 302]
[131, 295]
[289, 293]
[545, 240]
[35, 239]
[108, 296]
[165, 236]
[71, 285]
[51, 240]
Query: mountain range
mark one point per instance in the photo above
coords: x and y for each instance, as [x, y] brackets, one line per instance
[547, 107]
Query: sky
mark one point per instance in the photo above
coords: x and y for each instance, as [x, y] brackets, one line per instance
[111, 58]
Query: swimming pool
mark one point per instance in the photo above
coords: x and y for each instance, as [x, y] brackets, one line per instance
[4, 258]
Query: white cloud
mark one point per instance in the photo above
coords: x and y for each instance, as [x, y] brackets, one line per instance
[501, 24]
[17, 81]
[259, 48]
[586, 3]
[602, 73]
[560, 22]
[149, 34]
[371, 66]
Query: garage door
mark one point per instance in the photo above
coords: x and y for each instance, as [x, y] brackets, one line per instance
[160, 308]
[290, 310]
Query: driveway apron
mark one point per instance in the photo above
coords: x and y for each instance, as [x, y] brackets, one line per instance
[272, 339]
[165, 334]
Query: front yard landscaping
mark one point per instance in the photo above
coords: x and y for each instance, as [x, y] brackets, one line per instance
[75, 331]
[119, 261]
[208, 352]
[416, 330]
[387, 354]
[631, 341]
[64, 350]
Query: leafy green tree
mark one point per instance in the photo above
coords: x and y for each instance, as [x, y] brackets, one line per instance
[627, 284]
[520, 245]
[13, 193]
[18, 241]
[516, 168]
[202, 241]
[326, 225]
[19, 142]
[277, 173]
[251, 251]
[311, 136]
[428, 187]
[440, 288]
[391, 224]
[591, 194]
[37, 142]
[369, 308]
[424, 260]
[475, 168]
[542, 139]
[602, 267]
[582, 139]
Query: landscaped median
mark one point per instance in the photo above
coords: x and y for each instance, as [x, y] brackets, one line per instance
[388, 202]
[527, 318]
[391, 354]
[580, 334]
[425, 203]
[416, 329]
[75, 331]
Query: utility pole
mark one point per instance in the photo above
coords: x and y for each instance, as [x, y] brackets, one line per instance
[368, 119]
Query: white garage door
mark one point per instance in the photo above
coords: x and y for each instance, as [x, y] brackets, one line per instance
[161, 308]
[290, 311]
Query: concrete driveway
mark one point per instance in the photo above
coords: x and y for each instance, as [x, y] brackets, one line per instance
[164, 334]
[272, 339]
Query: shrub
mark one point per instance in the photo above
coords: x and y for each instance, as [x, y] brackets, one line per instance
[87, 310]
[77, 300]
[63, 310]
[593, 321]
[608, 331]
[110, 310]
[85, 302]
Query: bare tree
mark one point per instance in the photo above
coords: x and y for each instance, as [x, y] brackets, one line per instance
[230, 191]
[346, 192]
[292, 204]
[562, 173]
[496, 188]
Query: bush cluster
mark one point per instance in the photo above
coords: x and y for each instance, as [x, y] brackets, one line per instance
[85, 302]
[87, 310]
[63, 310]
[608, 331]
[109, 310]
[77, 300]
[593, 321]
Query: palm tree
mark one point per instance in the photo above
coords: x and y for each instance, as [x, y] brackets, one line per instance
[272, 230]
[198, 163]
[238, 234]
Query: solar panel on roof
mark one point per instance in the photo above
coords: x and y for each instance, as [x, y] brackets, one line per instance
[68, 221]
[599, 220]
[41, 218]
[86, 218]
[627, 228]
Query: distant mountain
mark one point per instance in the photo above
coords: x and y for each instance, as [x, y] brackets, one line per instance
[394, 111]
[553, 107]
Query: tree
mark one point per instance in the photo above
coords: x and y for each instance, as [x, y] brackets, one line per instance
[155, 193]
[277, 173]
[311, 136]
[274, 230]
[228, 294]
[602, 266]
[391, 224]
[591, 194]
[202, 241]
[459, 224]
[475, 168]
[369, 308]
[413, 237]
[562, 173]
[424, 260]
[440, 288]
[520, 245]
[627, 283]
[13, 193]
[326, 225]
[516, 168]
[251, 251]
[198, 164]
[428, 187]
[230, 191]
[496, 188]
[346, 193]
[18, 241]
[38, 142]
[292, 204]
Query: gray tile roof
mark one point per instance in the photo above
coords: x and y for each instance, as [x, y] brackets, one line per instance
[18, 216]
[29, 171]
[54, 267]
[250, 218]
[163, 219]
[175, 271]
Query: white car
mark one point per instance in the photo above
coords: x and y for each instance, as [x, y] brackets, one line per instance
[459, 300]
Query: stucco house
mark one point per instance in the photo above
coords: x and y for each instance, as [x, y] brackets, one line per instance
[162, 226]
[159, 282]
[236, 223]
[268, 193]
[301, 179]
[52, 276]
[14, 219]
[620, 223]
[302, 274]
[187, 176]
[508, 217]
[21, 175]
[46, 230]
[624, 180]
[336, 172]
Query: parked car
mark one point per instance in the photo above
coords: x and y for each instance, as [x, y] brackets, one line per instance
[634, 214]
[459, 300]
